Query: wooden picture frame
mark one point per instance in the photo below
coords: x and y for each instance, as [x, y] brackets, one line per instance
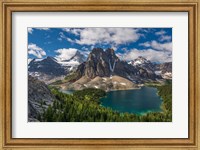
[9, 6]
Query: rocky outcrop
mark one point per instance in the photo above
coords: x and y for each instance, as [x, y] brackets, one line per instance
[39, 98]
[104, 83]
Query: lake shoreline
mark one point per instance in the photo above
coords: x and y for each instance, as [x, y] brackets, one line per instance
[133, 101]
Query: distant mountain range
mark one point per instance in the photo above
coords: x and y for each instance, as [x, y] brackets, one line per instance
[164, 70]
[101, 64]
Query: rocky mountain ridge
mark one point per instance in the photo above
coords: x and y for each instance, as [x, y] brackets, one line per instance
[51, 69]
[99, 63]
[105, 64]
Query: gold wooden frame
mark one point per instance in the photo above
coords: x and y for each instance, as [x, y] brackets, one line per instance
[9, 6]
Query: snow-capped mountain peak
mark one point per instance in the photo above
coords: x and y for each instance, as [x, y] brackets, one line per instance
[139, 61]
[72, 62]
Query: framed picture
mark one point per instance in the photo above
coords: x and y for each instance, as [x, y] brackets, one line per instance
[107, 75]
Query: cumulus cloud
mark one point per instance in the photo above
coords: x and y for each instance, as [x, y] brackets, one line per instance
[30, 30]
[35, 50]
[150, 54]
[115, 36]
[163, 36]
[75, 31]
[158, 46]
[162, 47]
[65, 53]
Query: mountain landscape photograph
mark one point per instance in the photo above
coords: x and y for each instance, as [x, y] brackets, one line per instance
[100, 74]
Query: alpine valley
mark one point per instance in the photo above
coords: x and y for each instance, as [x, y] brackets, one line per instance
[102, 70]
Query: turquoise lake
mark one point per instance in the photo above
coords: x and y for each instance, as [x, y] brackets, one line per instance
[137, 101]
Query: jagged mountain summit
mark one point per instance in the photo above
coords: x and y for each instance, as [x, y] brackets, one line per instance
[139, 61]
[50, 69]
[72, 62]
[104, 64]
[143, 63]
[101, 66]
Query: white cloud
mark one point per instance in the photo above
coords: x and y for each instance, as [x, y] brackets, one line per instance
[161, 32]
[66, 29]
[62, 36]
[74, 31]
[150, 54]
[165, 38]
[146, 44]
[158, 46]
[43, 28]
[35, 50]
[120, 55]
[65, 53]
[115, 36]
[30, 30]
[85, 48]
[162, 46]
[70, 40]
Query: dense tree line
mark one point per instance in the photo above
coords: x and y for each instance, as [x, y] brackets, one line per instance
[165, 92]
[84, 106]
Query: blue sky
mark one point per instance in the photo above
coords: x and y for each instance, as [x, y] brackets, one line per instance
[154, 44]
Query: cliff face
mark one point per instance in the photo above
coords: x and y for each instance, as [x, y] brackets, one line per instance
[105, 64]
[39, 97]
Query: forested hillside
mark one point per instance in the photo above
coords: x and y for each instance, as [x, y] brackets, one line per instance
[84, 106]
